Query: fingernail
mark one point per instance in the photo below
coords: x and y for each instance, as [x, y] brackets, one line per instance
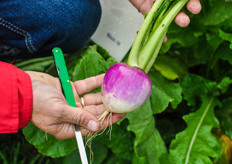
[92, 125]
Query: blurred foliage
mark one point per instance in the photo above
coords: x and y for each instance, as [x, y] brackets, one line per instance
[188, 117]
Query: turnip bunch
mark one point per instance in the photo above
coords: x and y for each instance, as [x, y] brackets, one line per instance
[127, 86]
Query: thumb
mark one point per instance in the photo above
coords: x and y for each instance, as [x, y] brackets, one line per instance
[81, 117]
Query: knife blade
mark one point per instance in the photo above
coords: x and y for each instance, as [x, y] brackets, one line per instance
[67, 90]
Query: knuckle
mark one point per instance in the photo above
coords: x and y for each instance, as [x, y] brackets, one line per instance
[79, 118]
[59, 137]
[60, 110]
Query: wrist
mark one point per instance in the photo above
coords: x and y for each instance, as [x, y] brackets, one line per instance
[44, 78]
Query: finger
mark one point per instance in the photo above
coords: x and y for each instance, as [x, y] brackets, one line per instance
[80, 117]
[165, 39]
[87, 85]
[194, 6]
[107, 122]
[96, 110]
[115, 118]
[182, 19]
[67, 132]
[92, 99]
[76, 96]
[142, 6]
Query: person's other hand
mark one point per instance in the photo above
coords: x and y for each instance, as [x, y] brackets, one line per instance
[53, 115]
[194, 6]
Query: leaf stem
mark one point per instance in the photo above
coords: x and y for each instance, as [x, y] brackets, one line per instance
[135, 50]
[155, 54]
[152, 44]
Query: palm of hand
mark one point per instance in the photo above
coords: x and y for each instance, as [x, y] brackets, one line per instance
[52, 114]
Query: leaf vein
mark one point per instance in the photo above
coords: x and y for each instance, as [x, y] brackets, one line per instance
[196, 131]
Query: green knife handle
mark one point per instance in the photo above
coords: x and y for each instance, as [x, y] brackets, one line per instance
[63, 75]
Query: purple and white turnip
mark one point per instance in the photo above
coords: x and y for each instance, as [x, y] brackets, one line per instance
[126, 87]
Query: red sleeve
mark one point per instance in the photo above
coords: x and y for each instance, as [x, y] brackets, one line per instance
[15, 98]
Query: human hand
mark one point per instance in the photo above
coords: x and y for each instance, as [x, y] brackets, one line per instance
[53, 115]
[194, 6]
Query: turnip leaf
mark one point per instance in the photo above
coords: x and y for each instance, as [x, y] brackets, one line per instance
[171, 68]
[199, 86]
[91, 64]
[147, 139]
[225, 36]
[164, 92]
[47, 144]
[37, 64]
[224, 114]
[118, 141]
[177, 35]
[100, 153]
[224, 84]
[217, 11]
[196, 144]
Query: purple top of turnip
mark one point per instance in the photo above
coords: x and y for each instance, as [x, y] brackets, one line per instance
[125, 88]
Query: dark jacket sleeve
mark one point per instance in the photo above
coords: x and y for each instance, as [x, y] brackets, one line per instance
[15, 98]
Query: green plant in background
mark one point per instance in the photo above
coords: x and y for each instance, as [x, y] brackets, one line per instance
[188, 117]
